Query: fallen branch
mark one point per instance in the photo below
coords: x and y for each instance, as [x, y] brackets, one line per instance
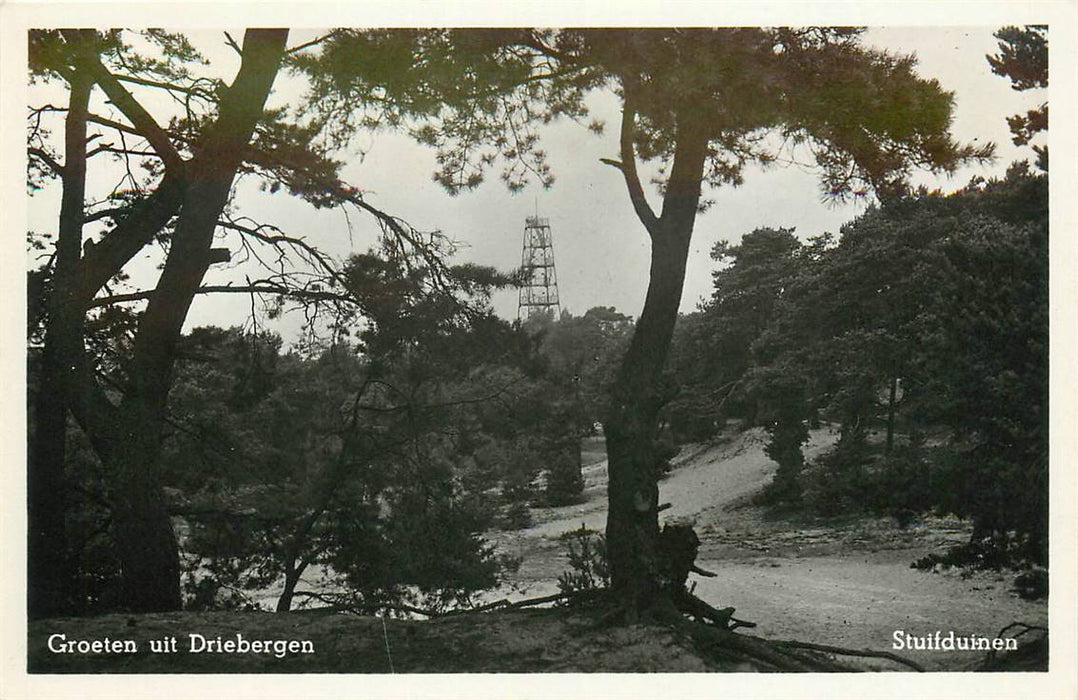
[723, 619]
[761, 653]
[506, 604]
[852, 652]
[340, 605]
[1030, 656]
[337, 605]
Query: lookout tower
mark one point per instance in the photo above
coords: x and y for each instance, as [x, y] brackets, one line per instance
[539, 288]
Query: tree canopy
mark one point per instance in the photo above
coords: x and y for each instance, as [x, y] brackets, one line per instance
[178, 168]
[1023, 59]
[699, 105]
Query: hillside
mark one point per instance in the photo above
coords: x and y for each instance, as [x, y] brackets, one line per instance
[846, 582]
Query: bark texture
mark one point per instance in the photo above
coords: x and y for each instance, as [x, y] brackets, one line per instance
[144, 537]
[128, 437]
[47, 546]
[631, 426]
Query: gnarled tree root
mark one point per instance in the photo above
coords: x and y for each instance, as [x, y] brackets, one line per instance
[691, 605]
[867, 653]
[775, 654]
[712, 630]
[760, 654]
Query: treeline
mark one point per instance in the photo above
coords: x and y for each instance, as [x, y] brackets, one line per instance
[370, 465]
[921, 333]
[372, 461]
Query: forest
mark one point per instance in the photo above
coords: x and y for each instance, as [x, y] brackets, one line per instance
[389, 458]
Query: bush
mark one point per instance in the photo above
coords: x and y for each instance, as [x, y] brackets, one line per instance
[516, 516]
[206, 593]
[564, 480]
[834, 486]
[903, 484]
[788, 431]
[587, 559]
[692, 417]
[1032, 584]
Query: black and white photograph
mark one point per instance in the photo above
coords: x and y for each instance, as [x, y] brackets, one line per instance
[572, 353]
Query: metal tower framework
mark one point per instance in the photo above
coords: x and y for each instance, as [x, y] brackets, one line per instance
[539, 290]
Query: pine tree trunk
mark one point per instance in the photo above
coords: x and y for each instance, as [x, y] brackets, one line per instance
[632, 424]
[291, 580]
[47, 564]
[142, 531]
[48, 570]
[148, 548]
[292, 569]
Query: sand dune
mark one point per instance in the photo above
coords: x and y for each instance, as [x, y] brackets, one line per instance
[842, 583]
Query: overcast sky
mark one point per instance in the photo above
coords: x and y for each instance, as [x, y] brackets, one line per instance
[600, 248]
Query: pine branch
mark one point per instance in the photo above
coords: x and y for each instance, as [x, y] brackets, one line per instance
[627, 166]
[277, 237]
[312, 42]
[261, 287]
[192, 90]
[48, 160]
[128, 105]
[232, 43]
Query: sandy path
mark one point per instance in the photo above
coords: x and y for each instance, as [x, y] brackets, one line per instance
[857, 603]
[704, 481]
[845, 585]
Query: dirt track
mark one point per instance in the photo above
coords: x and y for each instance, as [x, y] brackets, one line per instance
[846, 584]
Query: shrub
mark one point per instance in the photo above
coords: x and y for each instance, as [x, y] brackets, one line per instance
[564, 480]
[834, 486]
[516, 516]
[589, 569]
[902, 484]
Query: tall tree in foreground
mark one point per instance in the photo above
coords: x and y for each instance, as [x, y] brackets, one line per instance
[701, 103]
[707, 103]
[192, 192]
[176, 172]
